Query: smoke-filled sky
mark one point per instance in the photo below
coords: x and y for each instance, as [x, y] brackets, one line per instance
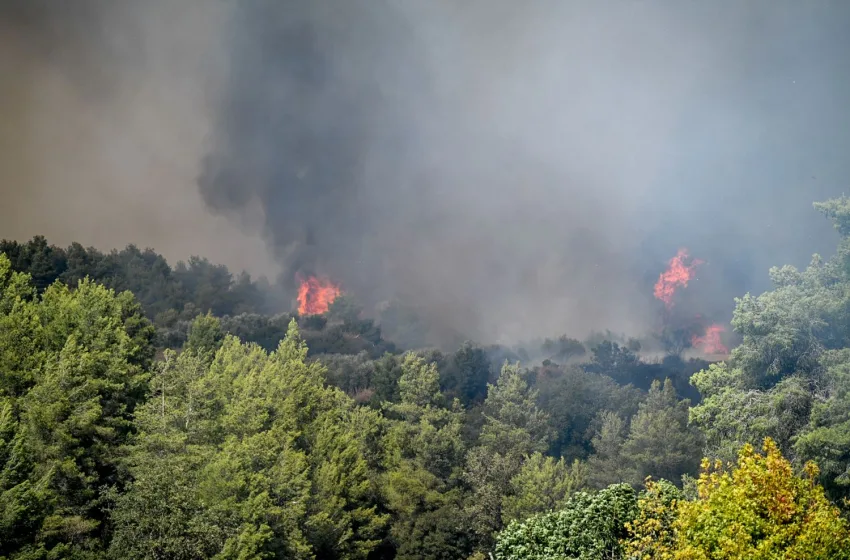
[515, 168]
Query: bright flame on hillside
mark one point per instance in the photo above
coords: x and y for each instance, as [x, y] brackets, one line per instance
[677, 275]
[315, 295]
[711, 342]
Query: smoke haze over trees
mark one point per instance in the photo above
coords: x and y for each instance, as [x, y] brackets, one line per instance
[509, 169]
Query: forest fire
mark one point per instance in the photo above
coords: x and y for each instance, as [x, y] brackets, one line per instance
[683, 329]
[315, 295]
[677, 275]
[711, 342]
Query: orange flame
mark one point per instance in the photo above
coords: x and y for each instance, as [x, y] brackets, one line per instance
[711, 342]
[315, 295]
[678, 274]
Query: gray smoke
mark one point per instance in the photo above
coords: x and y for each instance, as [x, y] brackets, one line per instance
[515, 168]
[107, 110]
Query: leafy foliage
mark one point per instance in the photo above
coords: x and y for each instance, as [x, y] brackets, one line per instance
[65, 416]
[658, 442]
[786, 380]
[277, 466]
[542, 484]
[150, 411]
[757, 510]
[589, 527]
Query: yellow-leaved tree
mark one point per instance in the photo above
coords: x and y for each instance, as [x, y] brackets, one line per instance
[757, 509]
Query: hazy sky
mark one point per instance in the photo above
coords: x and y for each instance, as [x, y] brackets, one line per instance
[518, 168]
[106, 113]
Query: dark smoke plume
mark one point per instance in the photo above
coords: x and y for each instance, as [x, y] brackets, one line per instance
[314, 98]
[514, 165]
[515, 168]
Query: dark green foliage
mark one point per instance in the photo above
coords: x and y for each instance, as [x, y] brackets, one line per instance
[160, 289]
[44, 263]
[462, 375]
[173, 297]
[313, 322]
[424, 450]
[466, 374]
[656, 441]
[264, 330]
[573, 399]
[660, 441]
[679, 372]
[353, 374]
[514, 429]
[622, 364]
[372, 381]
[385, 379]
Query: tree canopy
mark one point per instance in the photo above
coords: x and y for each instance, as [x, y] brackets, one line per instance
[150, 411]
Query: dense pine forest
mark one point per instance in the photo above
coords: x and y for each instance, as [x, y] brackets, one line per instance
[150, 411]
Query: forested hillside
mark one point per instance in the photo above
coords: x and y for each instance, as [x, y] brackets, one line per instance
[150, 411]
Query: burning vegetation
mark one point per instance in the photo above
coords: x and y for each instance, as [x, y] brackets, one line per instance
[681, 269]
[316, 294]
[711, 342]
